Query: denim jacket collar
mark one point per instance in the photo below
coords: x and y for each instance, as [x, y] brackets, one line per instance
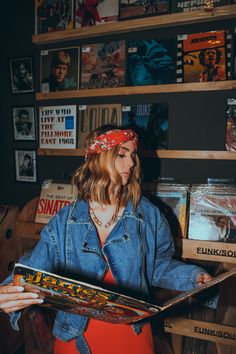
[80, 215]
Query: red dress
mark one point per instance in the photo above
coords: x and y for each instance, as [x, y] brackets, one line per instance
[106, 338]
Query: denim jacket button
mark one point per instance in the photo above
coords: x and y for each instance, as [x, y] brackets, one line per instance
[126, 237]
[85, 244]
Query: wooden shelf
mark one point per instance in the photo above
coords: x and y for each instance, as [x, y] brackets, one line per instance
[163, 154]
[201, 330]
[139, 90]
[209, 250]
[140, 24]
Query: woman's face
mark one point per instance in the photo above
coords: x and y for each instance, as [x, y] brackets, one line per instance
[125, 160]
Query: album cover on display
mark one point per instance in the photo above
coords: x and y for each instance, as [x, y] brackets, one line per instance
[134, 8]
[149, 121]
[204, 57]
[59, 70]
[172, 200]
[193, 5]
[57, 127]
[91, 117]
[53, 197]
[89, 13]
[151, 62]
[212, 213]
[53, 15]
[103, 65]
[230, 141]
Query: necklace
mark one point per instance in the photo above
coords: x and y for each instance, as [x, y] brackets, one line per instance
[109, 222]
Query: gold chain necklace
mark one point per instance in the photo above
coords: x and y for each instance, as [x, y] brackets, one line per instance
[109, 222]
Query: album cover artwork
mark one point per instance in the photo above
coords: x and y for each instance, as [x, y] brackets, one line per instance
[150, 122]
[134, 9]
[151, 62]
[59, 69]
[193, 5]
[212, 213]
[95, 12]
[230, 142]
[91, 117]
[103, 65]
[53, 15]
[172, 199]
[204, 57]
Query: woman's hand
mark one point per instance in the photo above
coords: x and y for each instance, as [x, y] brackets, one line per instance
[13, 298]
[203, 278]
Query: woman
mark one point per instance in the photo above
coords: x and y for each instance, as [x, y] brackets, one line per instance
[112, 235]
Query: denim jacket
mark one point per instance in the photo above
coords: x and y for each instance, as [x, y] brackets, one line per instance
[138, 250]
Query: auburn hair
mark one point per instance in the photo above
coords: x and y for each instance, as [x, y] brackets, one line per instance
[93, 178]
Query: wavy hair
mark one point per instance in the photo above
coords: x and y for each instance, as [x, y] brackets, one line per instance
[93, 177]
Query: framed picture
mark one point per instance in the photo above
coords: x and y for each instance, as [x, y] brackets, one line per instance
[21, 70]
[25, 166]
[24, 127]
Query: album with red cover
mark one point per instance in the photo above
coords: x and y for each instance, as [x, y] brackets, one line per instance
[103, 65]
[149, 121]
[134, 9]
[204, 57]
[94, 12]
[151, 62]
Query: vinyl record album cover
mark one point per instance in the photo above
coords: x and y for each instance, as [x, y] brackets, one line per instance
[133, 8]
[95, 12]
[212, 214]
[193, 5]
[204, 57]
[151, 62]
[103, 65]
[150, 122]
[59, 69]
[53, 15]
[230, 141]
[91, 117]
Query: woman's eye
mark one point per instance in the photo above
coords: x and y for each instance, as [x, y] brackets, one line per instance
[121, 156]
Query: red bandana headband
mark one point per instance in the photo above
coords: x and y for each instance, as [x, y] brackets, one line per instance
[111, 138]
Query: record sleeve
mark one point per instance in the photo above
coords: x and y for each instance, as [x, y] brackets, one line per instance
[172, 199]
[59, 69]
[230, 143]
[53, 15]
[103, 65]
[95, 12]
[91, 117]
[212, 213]
[83, 298]
[57, 127]
[204, 57]
[53, 197]
[151, 62]
[193, 5]
[134, 9]
[149, 121]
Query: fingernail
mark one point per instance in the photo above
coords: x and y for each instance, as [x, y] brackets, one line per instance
[40, 301]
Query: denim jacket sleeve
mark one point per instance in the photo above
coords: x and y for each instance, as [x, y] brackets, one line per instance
[42, 256]
[168, 272]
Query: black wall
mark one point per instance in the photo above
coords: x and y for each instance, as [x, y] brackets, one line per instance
[197, 119]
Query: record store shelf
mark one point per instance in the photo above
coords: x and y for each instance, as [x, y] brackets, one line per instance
[140, 24]
[162, 154]
[139, 90]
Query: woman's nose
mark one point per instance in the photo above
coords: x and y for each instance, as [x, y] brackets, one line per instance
[130, 162]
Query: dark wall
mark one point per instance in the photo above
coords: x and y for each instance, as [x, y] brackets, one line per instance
[197, 119]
